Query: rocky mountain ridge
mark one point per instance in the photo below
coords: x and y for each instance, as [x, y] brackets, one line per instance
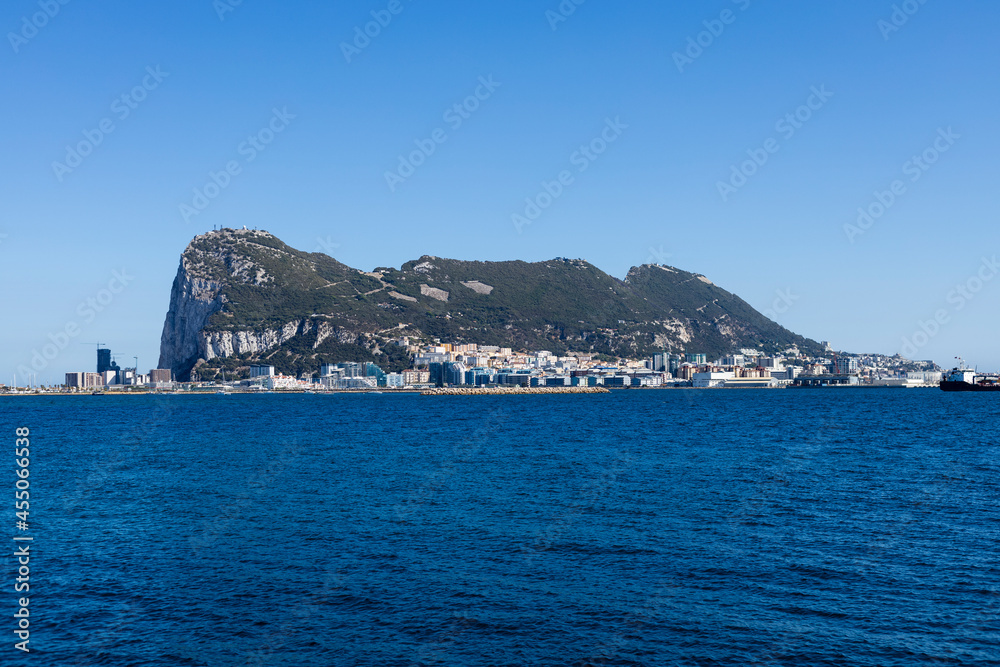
[243, 297]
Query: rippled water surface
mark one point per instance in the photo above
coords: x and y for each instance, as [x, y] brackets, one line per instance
[661, 527]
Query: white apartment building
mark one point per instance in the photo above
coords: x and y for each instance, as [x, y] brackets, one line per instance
[711, 380]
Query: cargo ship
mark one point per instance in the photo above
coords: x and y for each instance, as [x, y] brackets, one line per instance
[961, 378]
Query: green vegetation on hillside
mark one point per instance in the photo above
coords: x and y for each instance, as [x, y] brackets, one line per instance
[559, 305]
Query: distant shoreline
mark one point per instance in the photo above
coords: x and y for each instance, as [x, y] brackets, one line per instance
[512, 391]
[440, 391]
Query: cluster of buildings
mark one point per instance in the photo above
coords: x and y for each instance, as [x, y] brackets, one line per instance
[347, 375]
[110, 375]
[471, 365]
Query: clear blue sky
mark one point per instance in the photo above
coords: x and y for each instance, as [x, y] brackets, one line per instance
[653, 195]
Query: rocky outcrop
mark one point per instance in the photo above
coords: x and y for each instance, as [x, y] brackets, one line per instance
[326, 331]
[245, 293]
[434, 293]
[210, 265]
[478, 287]
[402, 297]
[232, 343]
[198, 293]
[193, 300]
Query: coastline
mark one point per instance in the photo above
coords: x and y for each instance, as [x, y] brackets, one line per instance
[512, 391]
[441, 391]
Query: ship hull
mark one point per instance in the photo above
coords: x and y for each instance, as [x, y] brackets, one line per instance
[951, 385]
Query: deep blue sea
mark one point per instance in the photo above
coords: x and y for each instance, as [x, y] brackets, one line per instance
[642, 527]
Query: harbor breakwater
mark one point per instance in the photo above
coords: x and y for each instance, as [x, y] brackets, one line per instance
[517, 391]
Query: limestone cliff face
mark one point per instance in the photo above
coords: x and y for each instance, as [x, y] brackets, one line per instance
[231, 343]
[192, 301]
[214, 344]
[209, 265]
[244, 293]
